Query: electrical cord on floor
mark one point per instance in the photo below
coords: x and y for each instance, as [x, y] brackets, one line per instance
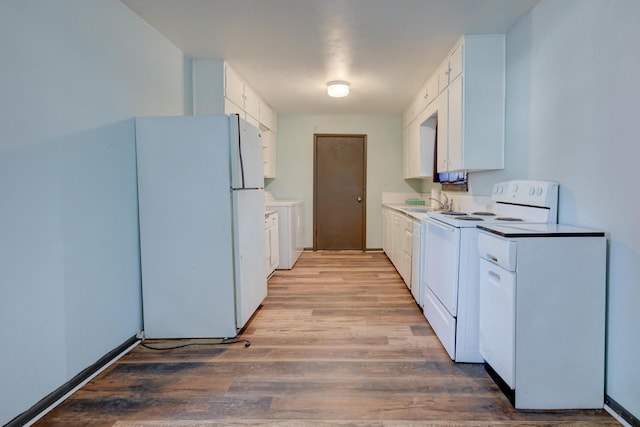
[225, 341]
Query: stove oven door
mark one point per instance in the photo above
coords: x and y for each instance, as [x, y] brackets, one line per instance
[441, 263]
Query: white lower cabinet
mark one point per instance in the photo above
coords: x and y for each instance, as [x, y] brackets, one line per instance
[398, 243]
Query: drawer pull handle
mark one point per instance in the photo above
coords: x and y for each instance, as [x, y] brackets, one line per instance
[494, 275]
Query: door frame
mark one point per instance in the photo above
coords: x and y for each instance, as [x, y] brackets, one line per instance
[364, 184]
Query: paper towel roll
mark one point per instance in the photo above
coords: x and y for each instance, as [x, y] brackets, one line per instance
[435, 194]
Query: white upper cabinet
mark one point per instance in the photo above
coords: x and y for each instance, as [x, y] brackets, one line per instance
[465, 99]
[418, 145]
[431, 89]
[231, 107]
[251, 103]
[443, 131]
[219, 89]
[267, 117]
[443, 75]
[475, 106]
[234, 87]
[454, 143]
[269, 153]
[455, 62]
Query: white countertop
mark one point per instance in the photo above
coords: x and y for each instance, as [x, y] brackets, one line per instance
[540, 230]
[414, 211]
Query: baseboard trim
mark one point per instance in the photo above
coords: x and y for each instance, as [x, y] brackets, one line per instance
[620, 411]
[56, 397]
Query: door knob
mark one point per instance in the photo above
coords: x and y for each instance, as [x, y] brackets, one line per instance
[359, 199]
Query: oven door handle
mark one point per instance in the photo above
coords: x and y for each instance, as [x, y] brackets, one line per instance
[442, 225]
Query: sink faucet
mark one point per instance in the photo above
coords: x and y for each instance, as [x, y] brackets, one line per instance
[447, 206]
[442, 205]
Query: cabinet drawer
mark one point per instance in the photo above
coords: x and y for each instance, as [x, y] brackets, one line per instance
[499, 251]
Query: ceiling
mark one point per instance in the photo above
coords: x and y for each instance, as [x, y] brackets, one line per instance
[287, 50]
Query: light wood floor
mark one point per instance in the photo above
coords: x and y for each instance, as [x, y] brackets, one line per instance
[338, 341]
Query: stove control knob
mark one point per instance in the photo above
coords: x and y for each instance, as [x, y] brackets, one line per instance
[532, 191]
[539, 191]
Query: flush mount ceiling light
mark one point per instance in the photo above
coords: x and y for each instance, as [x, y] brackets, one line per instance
[338, 88]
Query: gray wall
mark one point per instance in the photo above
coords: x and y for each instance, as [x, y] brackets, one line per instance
[73, 75]
[384, 163]
[572, 107]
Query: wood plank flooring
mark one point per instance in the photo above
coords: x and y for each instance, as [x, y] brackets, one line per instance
[338, 341]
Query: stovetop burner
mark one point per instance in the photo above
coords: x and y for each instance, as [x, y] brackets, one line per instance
[508, 219]
[455, 213]
[484, 214]
[470, 218]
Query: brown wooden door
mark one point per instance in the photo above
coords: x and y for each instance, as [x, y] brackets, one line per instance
[339, 205]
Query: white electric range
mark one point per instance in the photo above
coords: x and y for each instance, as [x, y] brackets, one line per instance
[450, 281]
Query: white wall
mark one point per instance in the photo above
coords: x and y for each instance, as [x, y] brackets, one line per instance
[572, 102]
[73, 75]
[384, 163]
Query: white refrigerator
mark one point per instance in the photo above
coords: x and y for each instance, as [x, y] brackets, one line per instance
[201, 210]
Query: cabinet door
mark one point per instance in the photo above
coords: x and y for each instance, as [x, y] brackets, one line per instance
[431, 91]
[252, 120]
[267, 248]
[405, 269]
[422, 99]
[443, 76]
[269, 154]
[252, 104]
[398, 230]
[455, 142]
[274, 247]
[406, 137]
[266, 116]
[231, 107]
[234, 87]
[455, 63]
[443, 131]
[425, 142]
[386, 232]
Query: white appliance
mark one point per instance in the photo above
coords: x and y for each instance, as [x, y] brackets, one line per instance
[272, 247]
[542, 313]
[290, 229]
[202, 235]
[451, 261]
